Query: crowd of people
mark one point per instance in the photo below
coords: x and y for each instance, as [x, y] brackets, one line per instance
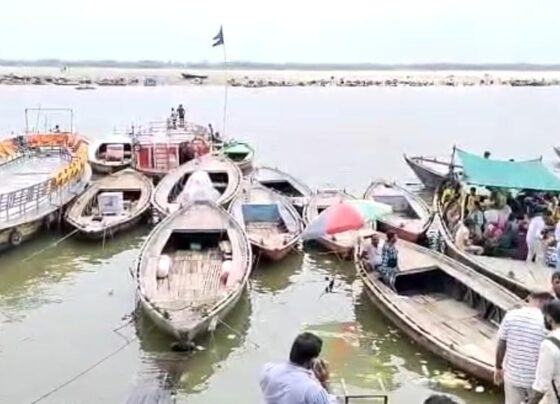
[524, 227]
[382, 256]
[176, 118]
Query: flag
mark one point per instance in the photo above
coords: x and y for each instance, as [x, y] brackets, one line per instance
[219, 38]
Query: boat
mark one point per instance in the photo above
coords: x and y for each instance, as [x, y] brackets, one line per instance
[240, 153]
[431, 171]
[557, 150]
[516, 275]
[190, 76]
[42, 173]
[271, 222]
[443, 305]
[159, 148]
[283, 183]
[192, 270]
[110, 154]
[85, 85]
[224, 176]
[111, 205]
[341, 243]
[411, 216]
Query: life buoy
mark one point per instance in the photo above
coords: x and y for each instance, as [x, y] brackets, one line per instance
[15, 237]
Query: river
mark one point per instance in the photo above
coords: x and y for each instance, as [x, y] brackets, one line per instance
[65, 307]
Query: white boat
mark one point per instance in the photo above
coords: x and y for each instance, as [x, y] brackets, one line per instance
[110, 154]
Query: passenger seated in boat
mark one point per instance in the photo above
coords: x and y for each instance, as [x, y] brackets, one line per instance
[389, 258]
[373, 253]
[463, 240]
[477, 218]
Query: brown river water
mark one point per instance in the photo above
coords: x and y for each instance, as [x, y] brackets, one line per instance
[65, 309]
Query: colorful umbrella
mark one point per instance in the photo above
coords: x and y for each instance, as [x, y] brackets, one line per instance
[349, 215]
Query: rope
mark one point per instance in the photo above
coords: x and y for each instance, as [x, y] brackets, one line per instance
[50, 245]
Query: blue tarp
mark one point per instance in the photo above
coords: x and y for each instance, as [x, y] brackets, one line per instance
[253, 213]
[529, 174]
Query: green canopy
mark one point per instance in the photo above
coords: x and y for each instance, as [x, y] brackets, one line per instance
[529, 174]
[238, 148]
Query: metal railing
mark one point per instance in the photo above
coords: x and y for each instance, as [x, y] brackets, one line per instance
[30, 200]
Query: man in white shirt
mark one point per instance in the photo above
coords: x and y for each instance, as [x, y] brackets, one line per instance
[546, 387]
[536, 226]
[519, 339]
[302, 380]
[463, 238]
[373, 252]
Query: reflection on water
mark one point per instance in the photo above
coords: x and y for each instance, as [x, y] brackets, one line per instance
[271, 277]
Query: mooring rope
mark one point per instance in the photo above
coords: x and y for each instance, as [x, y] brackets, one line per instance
[50, 246]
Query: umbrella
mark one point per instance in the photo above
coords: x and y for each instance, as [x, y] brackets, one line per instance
[349, 215]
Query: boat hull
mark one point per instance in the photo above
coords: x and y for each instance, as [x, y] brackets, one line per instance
[100, 168]
[273, 254]
[246, 166]
[26, 230]
[343, 251]
[428, 178]
[111, 231]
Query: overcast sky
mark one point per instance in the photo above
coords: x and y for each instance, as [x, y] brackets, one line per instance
[347, 31]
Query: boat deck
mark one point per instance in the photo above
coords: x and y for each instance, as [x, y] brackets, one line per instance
[271, 234]
[29, 170]
[193, 284]
[531, 275]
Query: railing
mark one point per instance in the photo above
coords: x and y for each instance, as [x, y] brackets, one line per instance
[162, 130]
[30, 200]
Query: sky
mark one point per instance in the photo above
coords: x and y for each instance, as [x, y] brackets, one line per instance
[304, 31]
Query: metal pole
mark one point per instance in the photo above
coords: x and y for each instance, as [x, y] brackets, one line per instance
[225, 91]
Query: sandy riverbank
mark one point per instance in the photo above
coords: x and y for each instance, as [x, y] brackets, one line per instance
[264, 78]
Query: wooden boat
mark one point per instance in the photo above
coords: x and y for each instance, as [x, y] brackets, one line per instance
[271, 222]
[182, 267]
[241, 154]
[42, 173]
[190, 76]
[429, 170]
[518, 276]
[283, 183]
[342, 243]
[128, 188]
[108, 155]
[411, 216]
[224, 174]
[444, 306]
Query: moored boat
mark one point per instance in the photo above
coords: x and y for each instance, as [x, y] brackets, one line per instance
[159, 148]
[341, 243]
[240, 153]
[110, 154]
[192, 270]
[431, 171]
[42, 173]
[271, 222]
[110, 205]
[505, 267]
[283, 183]
[557, 150]
[443, 305]
[224, 175]
[411, 216]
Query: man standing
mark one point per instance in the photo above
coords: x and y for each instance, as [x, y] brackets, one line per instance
[536, 226]
[519, 338]
[181, 113]
[555, 280]
[302, 380]
[546, 389]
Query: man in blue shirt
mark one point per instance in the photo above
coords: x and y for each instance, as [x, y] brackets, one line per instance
[302, 380]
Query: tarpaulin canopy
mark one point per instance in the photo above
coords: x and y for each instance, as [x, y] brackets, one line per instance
[237, 148]
[529, 174]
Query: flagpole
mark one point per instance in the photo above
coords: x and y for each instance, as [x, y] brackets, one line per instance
[225, 92]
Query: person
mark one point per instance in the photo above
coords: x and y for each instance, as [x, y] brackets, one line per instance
[439, 399]
[472, 198]
[181, 113]
[56, 129]
[302, 380]
[389, 257]
[546, 388]
[373, 252]
[173, 118]
[557, 238]
[555, 281]
[536, 226]
[486, 154]
[519, 338]
[477, 218]
[462, 238]
[542, 250]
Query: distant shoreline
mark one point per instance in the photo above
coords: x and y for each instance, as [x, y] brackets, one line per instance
[88, 77]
